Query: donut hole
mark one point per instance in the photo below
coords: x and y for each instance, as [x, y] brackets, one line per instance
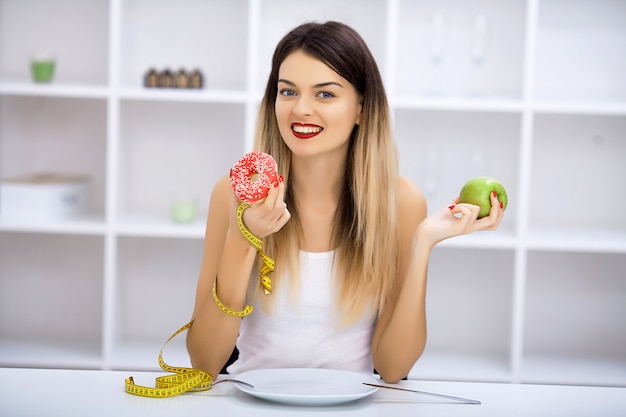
[254, 177]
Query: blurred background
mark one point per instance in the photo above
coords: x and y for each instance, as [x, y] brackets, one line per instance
[118, 116]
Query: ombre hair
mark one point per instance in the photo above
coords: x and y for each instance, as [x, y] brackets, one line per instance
[365, 236]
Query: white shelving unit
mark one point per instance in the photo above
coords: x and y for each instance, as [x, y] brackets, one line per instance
[529, 91]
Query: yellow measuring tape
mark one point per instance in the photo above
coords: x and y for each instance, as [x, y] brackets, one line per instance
[268, 263]
[189, 379]
[182, 379]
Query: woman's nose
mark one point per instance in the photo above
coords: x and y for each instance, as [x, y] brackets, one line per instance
[303, 106]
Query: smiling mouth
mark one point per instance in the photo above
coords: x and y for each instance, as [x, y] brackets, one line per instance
[305, 131]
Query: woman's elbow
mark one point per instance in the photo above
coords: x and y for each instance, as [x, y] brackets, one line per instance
[393, 371]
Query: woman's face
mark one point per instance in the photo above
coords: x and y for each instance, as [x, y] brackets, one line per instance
[316, 108]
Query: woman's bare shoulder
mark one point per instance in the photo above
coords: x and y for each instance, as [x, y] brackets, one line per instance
[222, 190]
[411, 200]
[221, 200]
[412, 210]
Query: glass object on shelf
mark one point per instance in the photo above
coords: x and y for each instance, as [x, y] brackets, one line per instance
[442, 172]
[437, 39]
[480, 35]
[181, 79]
[151, 78]
[196, 79]
[166, 78]
[184, 209]
[42, 69]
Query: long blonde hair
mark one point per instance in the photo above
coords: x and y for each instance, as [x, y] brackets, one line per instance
[366, 231]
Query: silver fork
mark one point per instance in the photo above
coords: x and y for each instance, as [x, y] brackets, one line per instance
[247, 384]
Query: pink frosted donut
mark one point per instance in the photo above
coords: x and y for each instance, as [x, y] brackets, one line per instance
[253, 175]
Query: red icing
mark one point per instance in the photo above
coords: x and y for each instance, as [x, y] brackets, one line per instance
[252, 163]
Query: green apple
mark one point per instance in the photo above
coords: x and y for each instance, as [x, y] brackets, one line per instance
[477, 191]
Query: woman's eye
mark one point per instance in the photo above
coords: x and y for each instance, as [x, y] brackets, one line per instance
[325, 94]
[287, 92]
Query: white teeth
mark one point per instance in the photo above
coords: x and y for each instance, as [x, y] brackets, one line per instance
[306, 129]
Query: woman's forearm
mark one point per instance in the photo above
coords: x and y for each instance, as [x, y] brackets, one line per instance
[403, 338]
[212, 337]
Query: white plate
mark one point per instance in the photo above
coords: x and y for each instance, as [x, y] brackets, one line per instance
[307, 386]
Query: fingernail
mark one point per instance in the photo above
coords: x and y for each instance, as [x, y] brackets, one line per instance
[281, 179]
[452, 206]
[501, 204]
[275, 184]
[494, 194]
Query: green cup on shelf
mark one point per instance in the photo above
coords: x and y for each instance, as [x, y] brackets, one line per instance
[42, 69]
[184, 210]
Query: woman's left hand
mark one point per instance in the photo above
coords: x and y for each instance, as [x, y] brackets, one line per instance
[459, 219]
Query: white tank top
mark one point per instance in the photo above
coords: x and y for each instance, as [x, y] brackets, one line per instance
[305, 333]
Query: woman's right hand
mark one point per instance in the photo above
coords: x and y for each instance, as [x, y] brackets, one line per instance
[459, 219]
[269, 215]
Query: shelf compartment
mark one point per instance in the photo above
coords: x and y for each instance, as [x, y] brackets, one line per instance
[79, 45]
[55, 134]
[577, 170]
[176, 149]
[583, 44]
[575, 319]
[278, 17]
[460, 50]
[50, 300]
[155, 293]
[154, 30]
[468, 309]
[440, 151]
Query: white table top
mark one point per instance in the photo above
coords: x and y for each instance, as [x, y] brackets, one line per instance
[65, 393]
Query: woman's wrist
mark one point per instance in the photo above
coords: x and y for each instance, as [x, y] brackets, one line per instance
[254, 240]
[234, 234]
[422, 240]
[257, 242]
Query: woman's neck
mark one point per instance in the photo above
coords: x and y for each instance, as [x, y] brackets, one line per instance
[317, 186]
[317, 182]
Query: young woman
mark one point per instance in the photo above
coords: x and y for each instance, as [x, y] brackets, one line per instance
[349, 236]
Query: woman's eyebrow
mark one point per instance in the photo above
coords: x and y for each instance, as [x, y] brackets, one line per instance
[320, 85]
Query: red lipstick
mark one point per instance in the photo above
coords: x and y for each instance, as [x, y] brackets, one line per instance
[305, 130]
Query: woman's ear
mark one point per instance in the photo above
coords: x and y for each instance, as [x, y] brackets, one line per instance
[359, 111]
